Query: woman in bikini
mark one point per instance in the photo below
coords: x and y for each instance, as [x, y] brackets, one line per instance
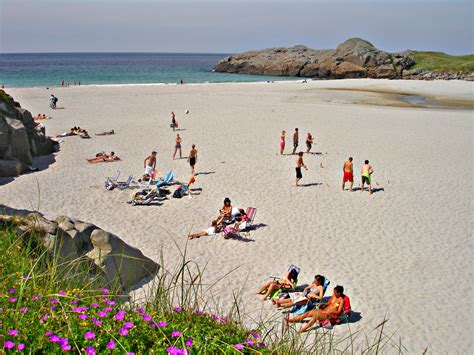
[225, 211]
[333, 309]
[282, 142]
[287, 281]
[177, 146]
[312, 293]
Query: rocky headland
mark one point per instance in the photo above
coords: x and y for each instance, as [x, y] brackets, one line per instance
[20, 140]
[355, 58]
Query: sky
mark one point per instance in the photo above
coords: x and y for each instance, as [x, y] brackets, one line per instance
[231, 26]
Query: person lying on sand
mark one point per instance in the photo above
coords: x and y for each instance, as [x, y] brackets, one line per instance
[108, 133]
[333, 309]
[311, 293]
[287, 281]
[212, 230]
[41, 116]
[103, 158]
[225, 211]
[74, 131]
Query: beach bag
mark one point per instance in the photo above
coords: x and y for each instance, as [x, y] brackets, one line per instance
[178, 193]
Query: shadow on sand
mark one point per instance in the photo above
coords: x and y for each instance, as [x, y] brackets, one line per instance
[39, 163]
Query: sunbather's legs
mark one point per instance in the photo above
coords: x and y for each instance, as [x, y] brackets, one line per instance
[264, 287]
[273, 286]
[197, 235]
[318, 315]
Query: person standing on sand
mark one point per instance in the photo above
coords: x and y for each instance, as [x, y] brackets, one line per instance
[150, 164]
[177, 146]
[193, 154]
[348, 171]
[299, 165]
[173, 121]
[282, 142]
[295, 140]
[367, 172]
[309, 142]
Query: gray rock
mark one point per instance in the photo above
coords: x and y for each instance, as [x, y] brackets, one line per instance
[11, 168]
[65, 223]
[19, 147]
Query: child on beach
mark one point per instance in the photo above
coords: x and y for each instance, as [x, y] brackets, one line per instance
[177, 146]
[282, 142]
[193, 158]
[347, 170]
[299, 164]
[367, 172]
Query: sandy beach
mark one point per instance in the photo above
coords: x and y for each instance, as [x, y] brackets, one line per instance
[403, 253]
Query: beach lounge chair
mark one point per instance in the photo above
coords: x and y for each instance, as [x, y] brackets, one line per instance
[124, 184]
[300, 309]
[151, 197]
[346, 312]
[275, 294]
[111, 181]
[167, 179]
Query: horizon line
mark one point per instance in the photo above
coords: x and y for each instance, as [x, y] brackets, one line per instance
[115, 52]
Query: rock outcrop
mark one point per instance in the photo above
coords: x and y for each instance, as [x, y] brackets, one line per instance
[20, 141]
[355, 58]
[84, 247]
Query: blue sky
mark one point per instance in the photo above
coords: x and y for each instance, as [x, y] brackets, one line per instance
[229, 26]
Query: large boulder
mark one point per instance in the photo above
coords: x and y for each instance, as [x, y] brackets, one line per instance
[20, 141]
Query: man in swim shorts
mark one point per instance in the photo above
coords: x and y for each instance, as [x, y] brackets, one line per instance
[348, 172]
[299, 165]
[150, 164]
[295, 140]
[367, 172]
[309, 142]
[193, 157]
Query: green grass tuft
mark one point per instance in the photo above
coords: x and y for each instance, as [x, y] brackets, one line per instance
[442, 62]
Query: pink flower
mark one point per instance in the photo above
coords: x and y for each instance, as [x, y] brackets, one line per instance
[175, 351]
[13, 332]
[255, 335]
[123, 332]
[107, 309]
[73, 302]
[249, 342]
[199, 312]
[111, 345]
[53, 300]
[53, 338]
[153, 324]
[102, 314]
[215, 316]
[104, 290]
[120, 315]
[44, 317]
[189, 342]
[20, 347]
[66, 347]
[82, 316]
[140, 310]
[13, 300]
[162, 324]
[90, 350]
[262, 345]
[52, 307]
[11, 290]
[89, 335]
[62, 293]
[36, 298]
[24, 309]
[94, 305]
[146, 317]
[177, 309]
[8, 345]
[238, 346]
[128, 325]
[48, 333]
[175, 334]
[63, 341]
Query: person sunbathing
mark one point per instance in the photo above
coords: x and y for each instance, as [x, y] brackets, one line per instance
[108, 133]
[41, 116]
[212, 230]
[84, 134]
[225, 211]
[312, 293]
[287, 281]
[333, 309]
[103, 158]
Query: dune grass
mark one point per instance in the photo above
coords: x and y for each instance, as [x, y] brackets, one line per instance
[442, 62]
[44, 308]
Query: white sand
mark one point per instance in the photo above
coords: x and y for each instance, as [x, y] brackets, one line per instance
[405, 252]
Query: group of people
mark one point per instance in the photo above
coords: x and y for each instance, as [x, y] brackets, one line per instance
[311, 297]
[40, 117]
[366, 175]
[227, 214]
[309, 141]
[102, 157]
[74, 131]
[66, 83]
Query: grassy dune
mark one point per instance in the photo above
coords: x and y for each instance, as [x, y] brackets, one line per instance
[442, 62]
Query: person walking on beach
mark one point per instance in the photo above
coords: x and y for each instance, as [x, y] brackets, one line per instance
[174, 124]
[150, 164]
[177, 146]
[53, 100]
[348, 171]
[309, 142]
[367, 172]
[282, 142]
[193, 153]
[295, 140]
[299, 165]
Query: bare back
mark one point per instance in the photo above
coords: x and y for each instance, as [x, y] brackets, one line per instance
[348, 167]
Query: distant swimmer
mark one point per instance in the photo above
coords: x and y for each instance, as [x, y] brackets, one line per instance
[367, 172]
[193, 158]
[150, 164]
[177, 146]
[282, 142]
[295, 140]
[299, 164]
[348, 171]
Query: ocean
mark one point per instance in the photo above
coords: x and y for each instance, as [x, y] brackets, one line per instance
[50, 69]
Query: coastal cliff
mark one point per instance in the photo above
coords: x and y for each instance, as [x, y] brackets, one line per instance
[355, 58]
[20, 141]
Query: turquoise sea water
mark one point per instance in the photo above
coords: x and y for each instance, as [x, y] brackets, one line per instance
[49, 69]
